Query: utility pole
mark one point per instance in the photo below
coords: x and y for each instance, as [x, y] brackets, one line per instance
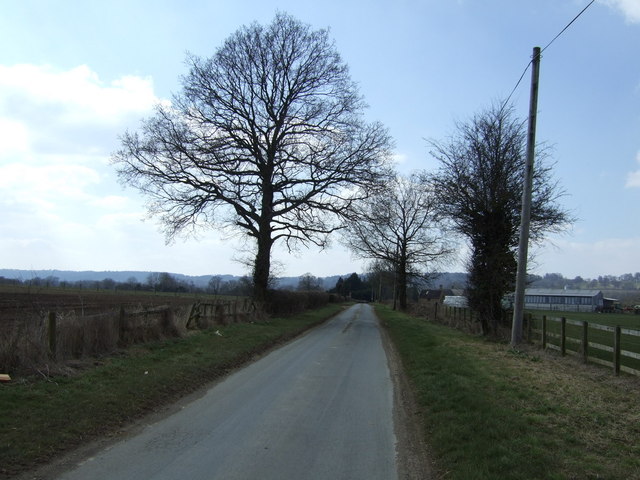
[523, 246]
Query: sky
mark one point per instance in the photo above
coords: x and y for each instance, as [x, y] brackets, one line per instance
[77, 74]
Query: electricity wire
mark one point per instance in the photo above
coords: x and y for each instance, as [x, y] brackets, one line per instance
[543, 49]
[568, 25]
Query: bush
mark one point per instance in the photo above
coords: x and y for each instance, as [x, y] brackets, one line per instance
[285, 302]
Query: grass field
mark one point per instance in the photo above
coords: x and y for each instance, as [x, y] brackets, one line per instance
[43, 416]
[629, 343]
[628, 320]
[490, 412]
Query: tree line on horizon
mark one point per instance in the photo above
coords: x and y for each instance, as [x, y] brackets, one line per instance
[373, 285]
[626, 281]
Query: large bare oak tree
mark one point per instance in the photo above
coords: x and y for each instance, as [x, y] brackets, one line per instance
[479, 187]
[267, 137]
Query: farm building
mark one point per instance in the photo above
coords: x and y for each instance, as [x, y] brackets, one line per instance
[435, 294]
[566, 300]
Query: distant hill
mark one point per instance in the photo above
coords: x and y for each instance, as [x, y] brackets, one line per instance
[96, 276]
[450, 280]
[141, 277]
[447, 280]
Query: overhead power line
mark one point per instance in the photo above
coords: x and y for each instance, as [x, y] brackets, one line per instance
[568, 25]
[543, 49]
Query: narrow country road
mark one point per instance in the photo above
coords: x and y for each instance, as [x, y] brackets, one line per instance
[318, 408]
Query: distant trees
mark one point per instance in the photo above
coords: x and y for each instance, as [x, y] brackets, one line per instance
[626, 281]
[353, 286]
[398, 226]
[165, 282]
[479, 190]
[266, 138]
[309, 283]
[377, 282]
[108, 284]
[214, 284]
[382, 277]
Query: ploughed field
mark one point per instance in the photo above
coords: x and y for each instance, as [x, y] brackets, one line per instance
[21, 303]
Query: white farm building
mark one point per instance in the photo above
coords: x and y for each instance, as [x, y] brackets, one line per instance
[566, 300]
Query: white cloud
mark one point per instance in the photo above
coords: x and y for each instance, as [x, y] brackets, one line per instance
[47, 110]
[77, 94]
[399, 158]
[633, 178]
[47, 181]
[111, 202]
[14, 137]
[59, 201]
[629, 8]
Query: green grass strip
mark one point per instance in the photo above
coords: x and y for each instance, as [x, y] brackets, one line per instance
[493, 413]
[42, 418]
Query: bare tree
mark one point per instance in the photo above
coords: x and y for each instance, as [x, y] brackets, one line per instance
[266, 138]
[382, 276]
[479, 187]
[309, 283]
[214, 284]
[398, 227]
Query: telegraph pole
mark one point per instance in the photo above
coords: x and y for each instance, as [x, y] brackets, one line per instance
[523, 247]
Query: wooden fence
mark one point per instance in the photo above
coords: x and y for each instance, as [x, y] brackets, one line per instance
[72, 335]
[612, 346]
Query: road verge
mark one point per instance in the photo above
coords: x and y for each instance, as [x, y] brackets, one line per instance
[47, 416]
[488, 411]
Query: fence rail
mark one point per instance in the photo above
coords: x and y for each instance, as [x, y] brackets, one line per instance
[610, 347]
[67, 334]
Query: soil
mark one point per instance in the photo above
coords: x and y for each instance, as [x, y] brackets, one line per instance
[413, 453]
[20, 303]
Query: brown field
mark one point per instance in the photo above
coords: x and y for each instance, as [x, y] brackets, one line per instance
[18, 303]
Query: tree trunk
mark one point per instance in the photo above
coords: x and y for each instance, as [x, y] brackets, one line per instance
[402, 284]
[262, 267]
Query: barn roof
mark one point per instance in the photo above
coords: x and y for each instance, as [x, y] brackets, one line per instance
[558, 292]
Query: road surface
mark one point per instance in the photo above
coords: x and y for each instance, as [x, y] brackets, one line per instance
[320, 407]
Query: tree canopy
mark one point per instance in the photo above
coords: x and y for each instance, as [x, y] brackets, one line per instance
[479, 190]
[267, 138]
[398, 226]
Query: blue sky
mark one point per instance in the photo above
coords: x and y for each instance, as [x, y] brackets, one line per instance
[76, 74]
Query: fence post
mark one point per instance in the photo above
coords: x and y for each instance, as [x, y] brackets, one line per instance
[544, 332]
[585, 341]
[563, 336]
[52, 333]
[435, 314]
[122, 325]
[616, 350]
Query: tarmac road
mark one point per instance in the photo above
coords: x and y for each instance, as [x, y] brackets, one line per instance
[320, 407]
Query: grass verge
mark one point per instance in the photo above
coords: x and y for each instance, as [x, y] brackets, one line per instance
[40, 418]
[491, 412]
